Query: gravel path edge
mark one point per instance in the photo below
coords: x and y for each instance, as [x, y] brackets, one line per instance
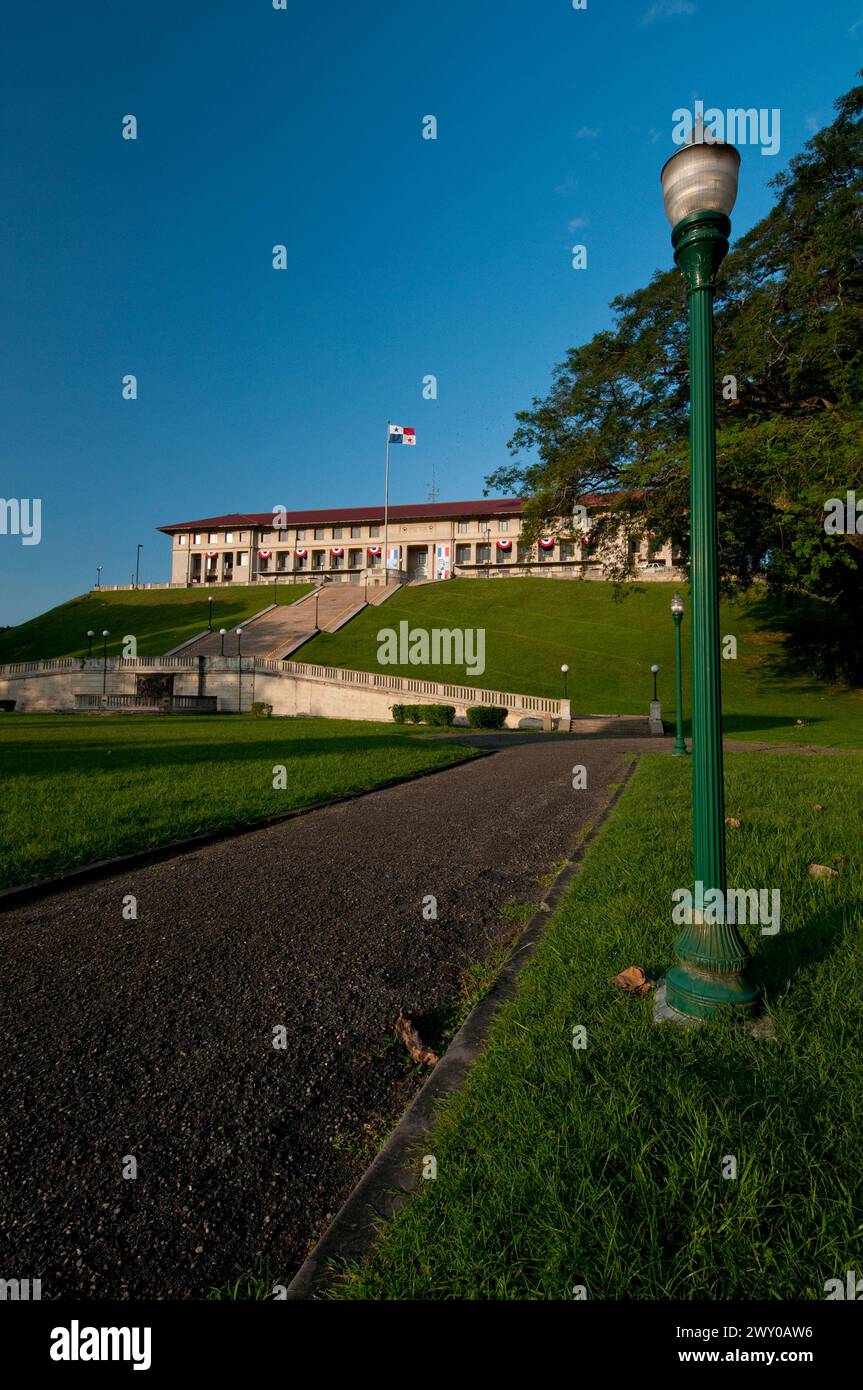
[386, 1185]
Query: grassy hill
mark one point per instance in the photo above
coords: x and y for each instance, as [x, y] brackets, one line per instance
[160, 619]
[533, 625]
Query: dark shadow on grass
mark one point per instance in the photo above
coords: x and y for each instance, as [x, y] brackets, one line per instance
[738, 723]
[777, 961]
[817, 642]
[36, 758]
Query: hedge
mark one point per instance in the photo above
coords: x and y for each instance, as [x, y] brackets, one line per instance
[486, 716]
[423, 714]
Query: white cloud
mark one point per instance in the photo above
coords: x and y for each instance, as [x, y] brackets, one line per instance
[667, 9]
[587, 133]
[856, 25]
[576, 222]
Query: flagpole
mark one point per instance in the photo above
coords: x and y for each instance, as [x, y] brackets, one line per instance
[387, 513]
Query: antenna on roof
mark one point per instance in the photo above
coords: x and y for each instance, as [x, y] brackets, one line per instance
[433, 490]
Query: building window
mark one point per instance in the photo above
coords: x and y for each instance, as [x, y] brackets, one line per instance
[281, 559]
[567, 550]
[318, 557]
[463, 528]
[374, 561]
[242, 557]
[301, 535]
[502, 557]
[356, 533]
[483, 554]
[241, 536]
[197, 538]
[229, 538]
[212, 537]
[355, 559]
[302, 561]
[337, 533]
[374, 532]
[181, 540]
[524, 555]
[320, 533]
[504, 526]
[462, 554]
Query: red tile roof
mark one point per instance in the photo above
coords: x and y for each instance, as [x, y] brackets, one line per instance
[414, 511]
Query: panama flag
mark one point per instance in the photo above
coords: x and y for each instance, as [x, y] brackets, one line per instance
[402, 434]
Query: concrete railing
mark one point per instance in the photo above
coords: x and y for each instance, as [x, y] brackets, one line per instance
[339, 675]
[411, 685]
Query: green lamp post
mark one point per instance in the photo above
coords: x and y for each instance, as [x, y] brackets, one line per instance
[699, 187]
[677, 614]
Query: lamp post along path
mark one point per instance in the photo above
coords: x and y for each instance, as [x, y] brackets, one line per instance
[699, 186]
[677, 614]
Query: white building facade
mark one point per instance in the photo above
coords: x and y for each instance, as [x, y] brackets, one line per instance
[419, 541]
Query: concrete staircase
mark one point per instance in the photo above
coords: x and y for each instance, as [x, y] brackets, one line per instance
[282, 629]
[612, 726]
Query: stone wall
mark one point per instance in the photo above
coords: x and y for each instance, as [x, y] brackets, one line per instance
[292, 688]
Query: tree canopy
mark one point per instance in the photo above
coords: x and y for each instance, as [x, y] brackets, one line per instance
[789, 373]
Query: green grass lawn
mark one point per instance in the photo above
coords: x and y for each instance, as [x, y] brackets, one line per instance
[77, 788]
[602, 1167]
[533, 625]
[159, 619]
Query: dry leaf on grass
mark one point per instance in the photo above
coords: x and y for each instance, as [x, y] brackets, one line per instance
[821, 871]
[733, 822]
[817, 806]
[406, 1030]
[634, 980]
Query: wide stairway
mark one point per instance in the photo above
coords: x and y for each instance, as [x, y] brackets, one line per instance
[612, 725]
[279, 631]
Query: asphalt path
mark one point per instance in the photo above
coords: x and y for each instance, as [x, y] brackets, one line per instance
[146, 1045]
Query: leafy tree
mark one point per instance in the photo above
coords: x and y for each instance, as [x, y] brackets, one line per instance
[789, 332]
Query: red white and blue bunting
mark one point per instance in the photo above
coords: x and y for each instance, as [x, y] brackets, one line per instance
[547, 542]
[374, 550]
[265, 554]
[504, 545]
[211, 554]
[337, 550]
[301, 552]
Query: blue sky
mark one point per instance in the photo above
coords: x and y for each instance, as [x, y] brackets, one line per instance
[406, 256]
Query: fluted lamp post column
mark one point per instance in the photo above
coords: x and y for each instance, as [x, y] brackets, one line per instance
[699, 187]
[677, 614]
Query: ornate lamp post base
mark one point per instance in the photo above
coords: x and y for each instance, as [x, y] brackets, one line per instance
[700, 994]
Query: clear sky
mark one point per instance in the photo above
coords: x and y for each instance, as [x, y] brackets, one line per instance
[405, 256]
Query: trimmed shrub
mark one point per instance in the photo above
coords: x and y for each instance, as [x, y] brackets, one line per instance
[486, 716]
[261, 710]
[438, 714]
[423, 714]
